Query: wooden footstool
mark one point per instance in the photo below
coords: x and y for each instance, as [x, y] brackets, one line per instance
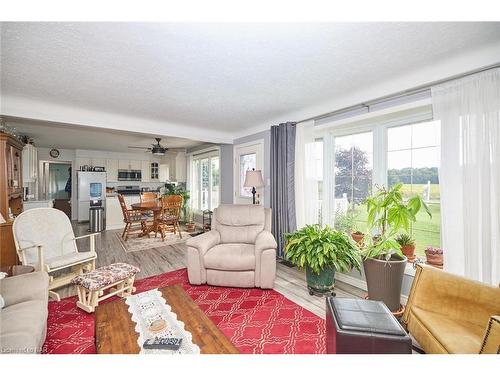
[91, 285]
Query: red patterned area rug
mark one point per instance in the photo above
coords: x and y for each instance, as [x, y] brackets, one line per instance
[255, 320]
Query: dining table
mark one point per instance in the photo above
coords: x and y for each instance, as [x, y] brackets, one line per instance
[156, 208]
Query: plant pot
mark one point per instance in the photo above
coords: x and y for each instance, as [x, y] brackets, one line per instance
[190, 227]
[358, 237]
[434, 259]
[409, 252]
[321, 284]
[384, 280]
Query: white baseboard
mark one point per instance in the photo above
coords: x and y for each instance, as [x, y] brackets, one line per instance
[360, 284]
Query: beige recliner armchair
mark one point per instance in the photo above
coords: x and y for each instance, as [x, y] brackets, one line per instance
[239, 251]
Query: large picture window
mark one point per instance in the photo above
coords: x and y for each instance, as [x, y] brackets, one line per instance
[205, 181]
[413, 159]
[353, 175]
[398, 148]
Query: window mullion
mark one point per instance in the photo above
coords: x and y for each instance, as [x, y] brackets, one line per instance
[379, 156]
[200, 185]
[209, 183]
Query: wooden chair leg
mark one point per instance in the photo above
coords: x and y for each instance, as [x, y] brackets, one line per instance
[129, 228]
[179, 230]
[124, 230]
[54, 295]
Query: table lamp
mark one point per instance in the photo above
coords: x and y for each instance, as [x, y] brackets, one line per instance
[254, 180]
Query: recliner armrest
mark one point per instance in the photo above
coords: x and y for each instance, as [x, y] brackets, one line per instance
[491, 340]
[265, 240]
[26, 287]
[205, 241]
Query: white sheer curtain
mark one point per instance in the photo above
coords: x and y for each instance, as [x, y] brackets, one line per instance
[306, 175]
[469, 110]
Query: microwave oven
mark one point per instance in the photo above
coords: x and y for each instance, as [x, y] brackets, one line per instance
[129, 175]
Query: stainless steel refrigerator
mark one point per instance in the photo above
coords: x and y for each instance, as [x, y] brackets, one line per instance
[91, 186]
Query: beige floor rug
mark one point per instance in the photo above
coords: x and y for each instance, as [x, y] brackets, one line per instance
[135, 243]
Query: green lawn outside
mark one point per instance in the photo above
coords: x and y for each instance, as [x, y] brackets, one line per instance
[425, 230]
[418, 189]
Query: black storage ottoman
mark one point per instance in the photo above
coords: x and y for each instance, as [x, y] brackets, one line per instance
[358, 326]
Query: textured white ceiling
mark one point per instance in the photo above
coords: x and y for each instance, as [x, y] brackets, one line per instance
[223, 77]
[87, 138]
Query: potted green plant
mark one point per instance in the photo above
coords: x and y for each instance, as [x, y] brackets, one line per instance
[383, 261]
[321, 251]
[358, 237]
[407, 244]
[346, 222]
[171, 189]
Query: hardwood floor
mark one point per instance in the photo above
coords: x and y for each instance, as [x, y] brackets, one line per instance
[289, 281]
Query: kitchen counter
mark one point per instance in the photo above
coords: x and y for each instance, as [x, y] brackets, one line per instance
[114, 215]
[29, 204]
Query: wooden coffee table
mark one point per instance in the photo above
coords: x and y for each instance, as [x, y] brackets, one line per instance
[115, 333]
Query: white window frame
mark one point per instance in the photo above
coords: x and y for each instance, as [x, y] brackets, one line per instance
[199, 155]
[377, 123]
[258, 146]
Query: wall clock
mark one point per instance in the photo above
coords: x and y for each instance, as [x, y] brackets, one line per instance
[54, 153]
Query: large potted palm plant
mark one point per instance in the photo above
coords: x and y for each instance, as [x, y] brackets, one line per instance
[383, 261]
[321, 251]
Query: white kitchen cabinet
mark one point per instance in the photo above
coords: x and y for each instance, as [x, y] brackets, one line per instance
[145, 171]
[112, 170]
[130, 164]
[135, 165]
[124, 164]
[164, 175]
[114, 215]
[169, 161]
[155, 170]
[30, 164]
[180, 167]
[98, 162]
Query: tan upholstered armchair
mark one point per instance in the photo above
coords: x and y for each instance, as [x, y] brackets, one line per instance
[451, 314]
[239, 251]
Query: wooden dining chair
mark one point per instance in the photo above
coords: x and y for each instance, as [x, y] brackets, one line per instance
[131, 218]
[148, 196]
[171, 211]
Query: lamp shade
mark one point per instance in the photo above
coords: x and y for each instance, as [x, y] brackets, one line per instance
[254, 179]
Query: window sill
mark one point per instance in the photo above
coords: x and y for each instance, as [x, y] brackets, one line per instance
[409, 270]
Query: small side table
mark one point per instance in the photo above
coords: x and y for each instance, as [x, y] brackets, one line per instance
[358, 326]
[17, 270]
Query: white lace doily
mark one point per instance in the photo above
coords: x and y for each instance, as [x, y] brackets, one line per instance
[149, 306]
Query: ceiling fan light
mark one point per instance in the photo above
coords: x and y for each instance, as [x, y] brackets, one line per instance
[158, 152]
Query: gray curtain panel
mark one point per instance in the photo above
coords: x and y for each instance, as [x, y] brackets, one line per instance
[283, 181]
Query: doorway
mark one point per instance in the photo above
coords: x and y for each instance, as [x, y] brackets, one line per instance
[56, 184]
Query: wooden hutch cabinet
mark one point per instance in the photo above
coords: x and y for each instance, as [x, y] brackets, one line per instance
[11, 194]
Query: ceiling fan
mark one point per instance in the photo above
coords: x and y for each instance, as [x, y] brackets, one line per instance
[157, 148]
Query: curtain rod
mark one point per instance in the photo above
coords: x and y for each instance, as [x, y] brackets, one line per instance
[399, 94]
